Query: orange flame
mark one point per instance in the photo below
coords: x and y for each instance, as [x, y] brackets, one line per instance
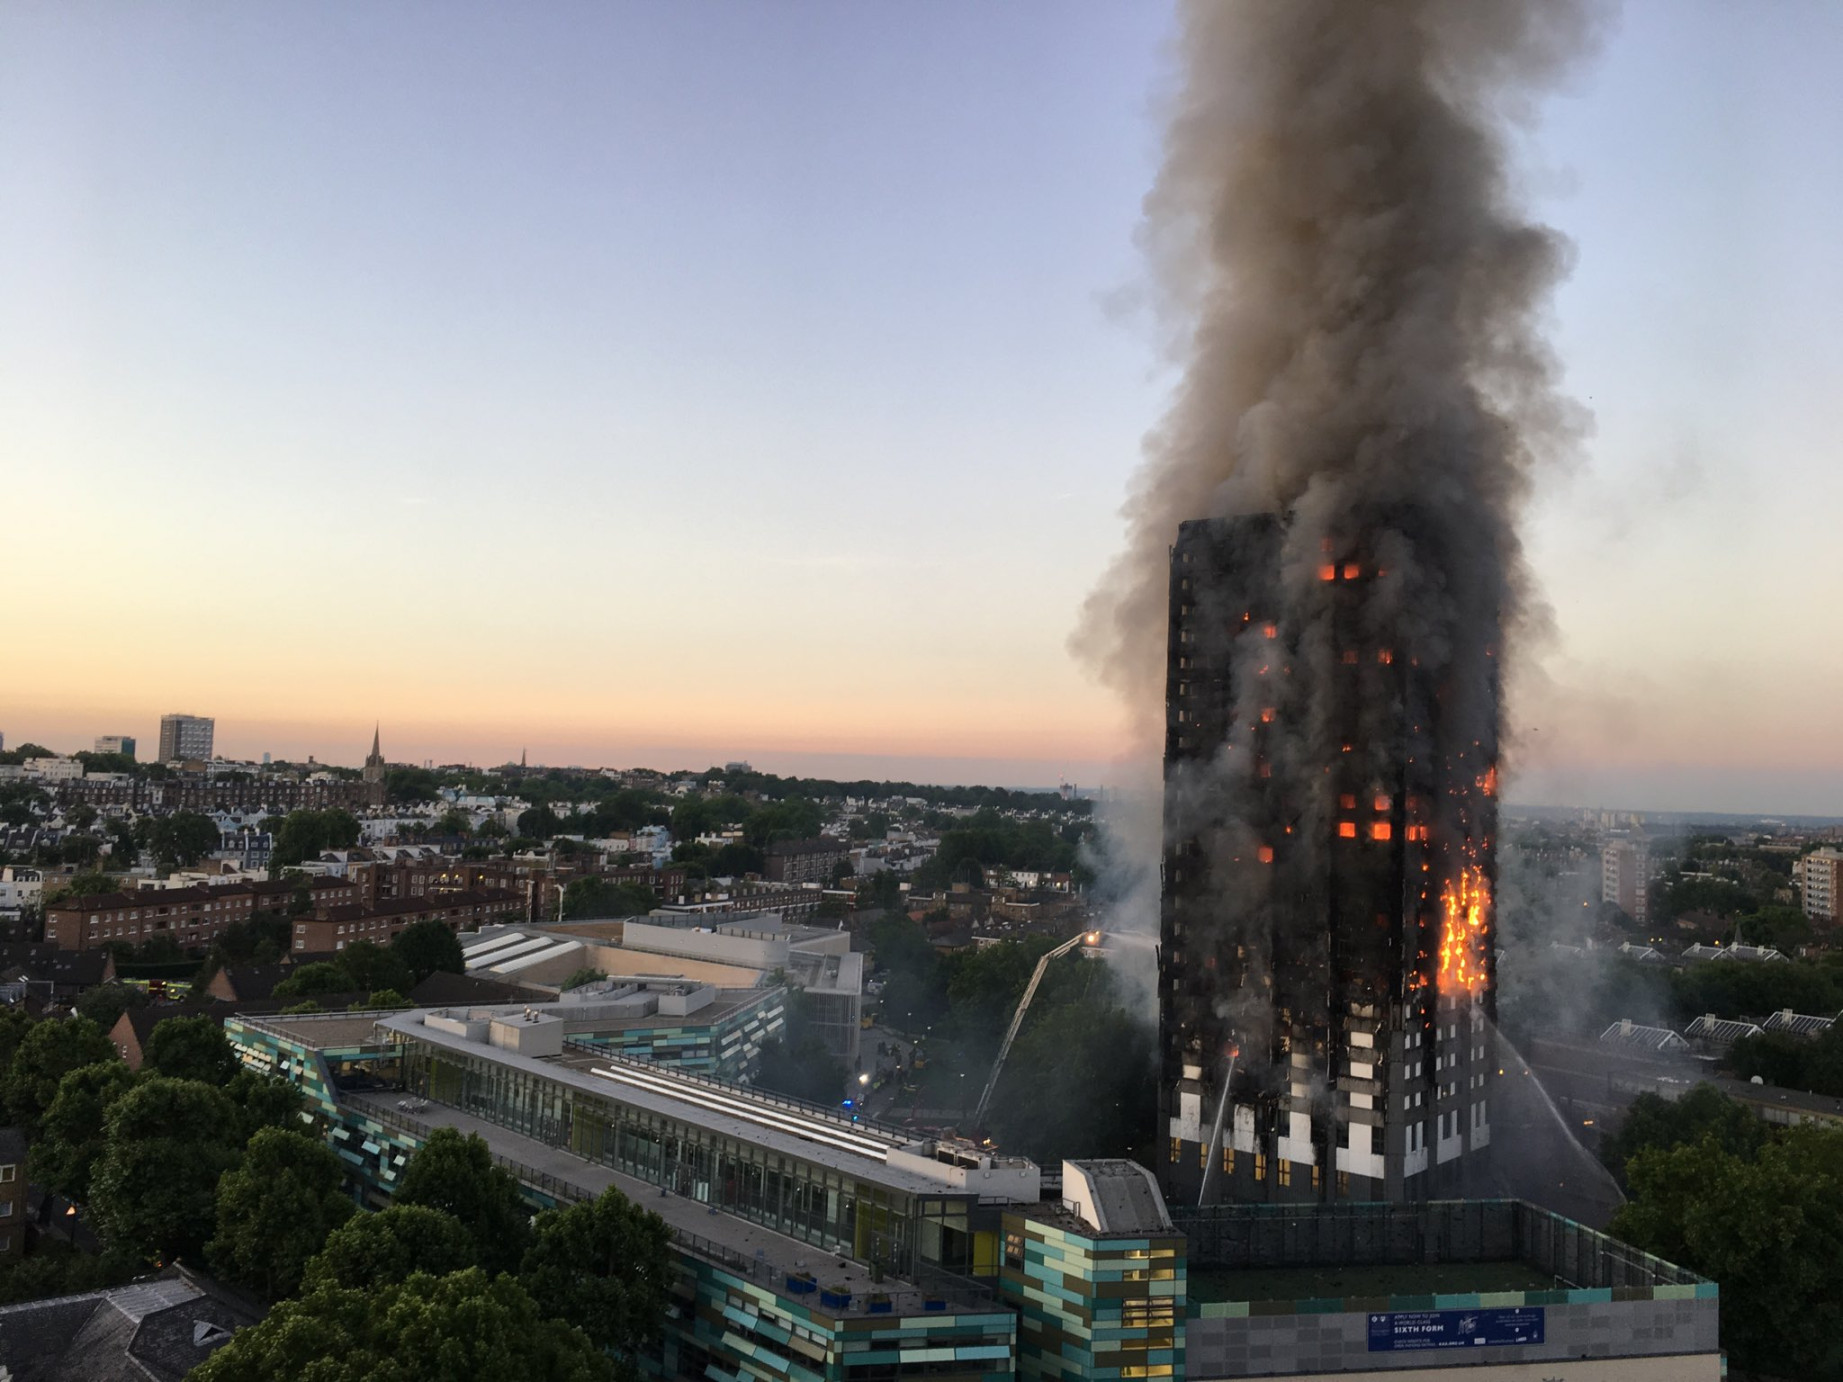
[1466, 903]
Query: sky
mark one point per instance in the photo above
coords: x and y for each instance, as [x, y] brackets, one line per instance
[647, 383]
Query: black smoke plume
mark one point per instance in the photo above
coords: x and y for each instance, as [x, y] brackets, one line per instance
[1355, 299]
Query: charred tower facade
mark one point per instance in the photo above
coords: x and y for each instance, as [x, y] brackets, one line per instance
[1326, 958]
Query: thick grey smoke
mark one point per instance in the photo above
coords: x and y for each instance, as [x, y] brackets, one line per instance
[1355, 300]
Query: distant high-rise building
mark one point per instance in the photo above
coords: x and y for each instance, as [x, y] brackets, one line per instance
[1326, 967]
[115, 743]
[1820, 876]
[1625, 876]
[374, 761]
[186, 736]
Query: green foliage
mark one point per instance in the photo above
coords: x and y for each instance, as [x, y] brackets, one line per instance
[379, 998]
[265, 1101]
[1741, 990]
[1767, 1228]
[585, 975]
[427, 946]
[190, 1048]
[373, 1250]
[306, 1005]
[456, 1174]
[368, 965]
[46, 1054]
[873, 826]
[915, 981]
[178, 841]
[57, 1268]
[464, 1327]
[1080, 1081]
[594, 898]
[405, 785]
[882, 889]
[540, 823]
[1793, 1062]
[24, 753]
[605, 1267]
[1655, 1124]
[15, 1023]
[90, 885]
[304, 834]
[71, 1133]
[990, 839]
[274, 1212]
[105, 1003]
[323, 976]
[165, 1143]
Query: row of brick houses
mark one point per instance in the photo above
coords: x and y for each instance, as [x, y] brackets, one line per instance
[191, 917]
[468, 910]
[278, 795]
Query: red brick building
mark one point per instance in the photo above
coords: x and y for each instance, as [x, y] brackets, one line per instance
[191, 917]
[460, 911]
[804, 861]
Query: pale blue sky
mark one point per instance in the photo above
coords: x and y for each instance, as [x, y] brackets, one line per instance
[661, 382]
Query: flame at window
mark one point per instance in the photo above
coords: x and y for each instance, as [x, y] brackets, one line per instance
[1465, 903]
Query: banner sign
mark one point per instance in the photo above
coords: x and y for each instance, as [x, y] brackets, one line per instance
[1404, 1330]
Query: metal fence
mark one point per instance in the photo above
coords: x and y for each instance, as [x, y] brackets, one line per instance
[1255, 1236]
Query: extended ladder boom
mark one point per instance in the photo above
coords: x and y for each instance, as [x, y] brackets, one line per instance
[1017, 1018]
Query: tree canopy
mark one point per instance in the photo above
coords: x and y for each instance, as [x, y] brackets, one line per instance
[455, 1173]
[605, 1267]
[190, 1048]
[275, 1210]
[382, 1249]
[464, 1327]
[165, 1143]
[427, 946]
[71, 1132]
[1766, 1226]
[48, 1052]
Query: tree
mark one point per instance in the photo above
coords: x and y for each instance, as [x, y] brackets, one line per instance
[427, 946]
[105, 1003]
[90, 884]
[464, 1327]
[579, 977]
[915, 987]
[597, 897]
[276, 1210]
[605, 1267]
[1079, 1082]
[71, 1134]
[165, 1143]
[373, 1250]
[47, 1053]
[368, 966]
[1766, 1228]
[265, 1101]
[190, 1048]
[124, 853]
[1654, 1123]
[456, 1174]
[323, 976]
[540, 823]
[304, 834]
[181, 839]
[379, 998]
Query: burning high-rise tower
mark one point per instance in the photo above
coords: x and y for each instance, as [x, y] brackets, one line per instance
[1330, 507]
[1325, 964]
